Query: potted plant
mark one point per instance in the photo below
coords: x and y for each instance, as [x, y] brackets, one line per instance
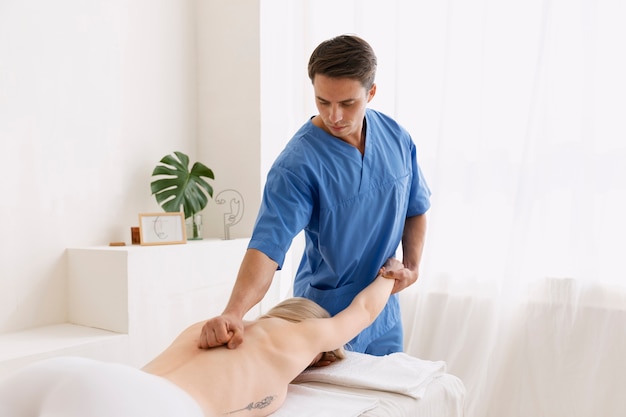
[176, 188]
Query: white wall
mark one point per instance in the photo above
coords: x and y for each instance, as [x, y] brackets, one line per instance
[92, 95]
[229, 110]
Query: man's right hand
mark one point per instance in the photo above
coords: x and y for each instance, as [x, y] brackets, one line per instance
[221, 330]
[391, 265]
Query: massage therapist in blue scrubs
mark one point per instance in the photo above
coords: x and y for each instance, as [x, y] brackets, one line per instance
[350, 179]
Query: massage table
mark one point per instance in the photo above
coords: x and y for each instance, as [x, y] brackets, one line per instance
[395, 385]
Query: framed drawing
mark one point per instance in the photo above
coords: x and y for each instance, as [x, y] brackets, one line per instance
[162, 228]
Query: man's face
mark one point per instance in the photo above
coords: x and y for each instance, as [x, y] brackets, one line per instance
[341, 103]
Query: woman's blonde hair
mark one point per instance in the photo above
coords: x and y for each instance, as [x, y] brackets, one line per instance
[297, 309]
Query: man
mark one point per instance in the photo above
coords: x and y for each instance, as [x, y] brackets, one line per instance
[349, 178]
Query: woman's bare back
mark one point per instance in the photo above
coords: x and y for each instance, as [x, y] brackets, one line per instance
[251, 380]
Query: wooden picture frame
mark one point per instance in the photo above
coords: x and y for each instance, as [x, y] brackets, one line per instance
[162, 228]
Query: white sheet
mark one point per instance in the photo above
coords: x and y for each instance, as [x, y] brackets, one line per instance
[444, 397]
[303, 401]
[397, 372]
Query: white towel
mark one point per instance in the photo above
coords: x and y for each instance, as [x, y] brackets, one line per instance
[397, 372]
[304, 401]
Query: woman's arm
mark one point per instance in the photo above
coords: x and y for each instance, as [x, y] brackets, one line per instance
[332, 333]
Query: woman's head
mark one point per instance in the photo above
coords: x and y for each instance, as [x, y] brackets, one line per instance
[297, 309]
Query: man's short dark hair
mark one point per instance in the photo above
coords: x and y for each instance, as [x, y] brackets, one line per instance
[344, 56]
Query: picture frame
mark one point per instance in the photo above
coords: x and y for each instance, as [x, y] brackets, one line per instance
[166, 228]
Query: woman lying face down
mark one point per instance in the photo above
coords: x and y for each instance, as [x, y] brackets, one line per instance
[251, 380]
[278, 346]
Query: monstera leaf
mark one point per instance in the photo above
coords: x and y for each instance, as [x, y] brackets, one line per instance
[177, 186]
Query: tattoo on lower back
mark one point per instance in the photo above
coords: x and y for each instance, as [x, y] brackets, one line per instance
[256, 405]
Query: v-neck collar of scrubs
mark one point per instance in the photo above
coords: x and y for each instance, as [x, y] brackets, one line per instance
[351, 151]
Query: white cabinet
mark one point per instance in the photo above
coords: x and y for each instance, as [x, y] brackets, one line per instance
[151, 293]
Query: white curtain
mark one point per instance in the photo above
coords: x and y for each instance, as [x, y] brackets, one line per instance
[518, 110]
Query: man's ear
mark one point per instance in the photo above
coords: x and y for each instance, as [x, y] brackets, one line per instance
[371, 93]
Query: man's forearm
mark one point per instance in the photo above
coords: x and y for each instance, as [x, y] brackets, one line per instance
[413, 241]
[253, 280]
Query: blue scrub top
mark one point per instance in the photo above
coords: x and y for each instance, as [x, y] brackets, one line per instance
[352, 208]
